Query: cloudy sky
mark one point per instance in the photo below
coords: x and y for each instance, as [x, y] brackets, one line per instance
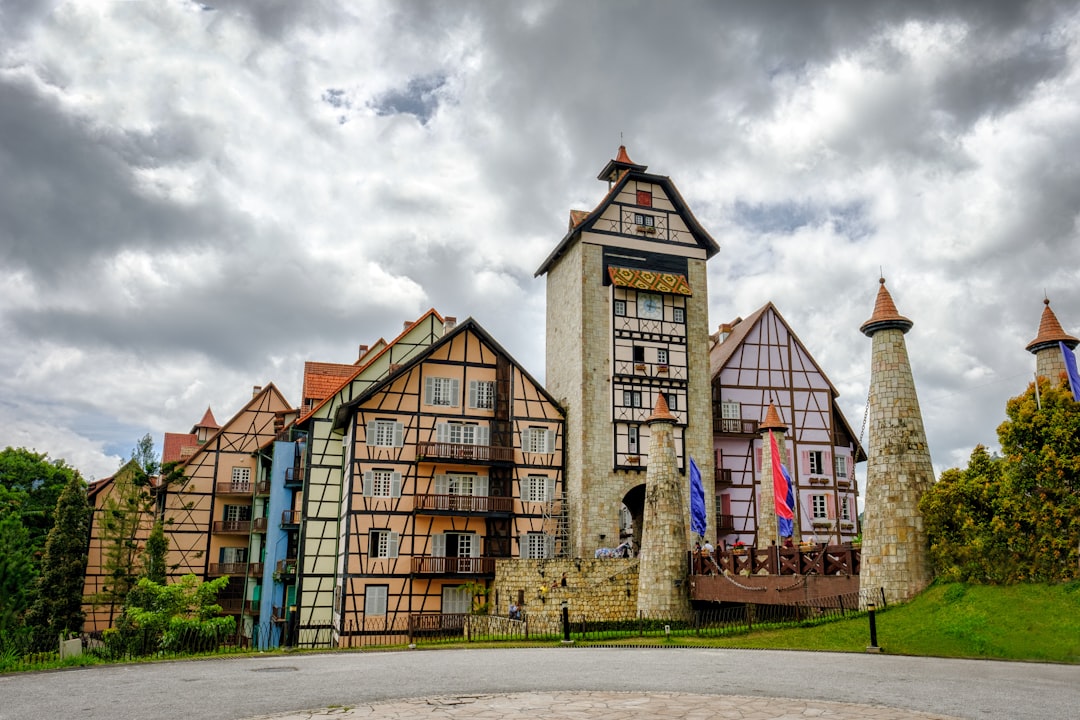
[197, 198]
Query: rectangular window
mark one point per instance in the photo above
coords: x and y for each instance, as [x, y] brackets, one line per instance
[385, 433]
[382, 483]
[441, 391]
[537, 546]
[537, 488]
[817, 466]
[241, 479]
[375, 599]
[237, 512]
[644, 197]
[620, 308]
[632, 439]
[845, 508]
[678, 315]
[455, 544]
[456, 600]
[459, 433]
[644, 220]
[537, 440]
[820, 508]
[639, 353]
[461, 484]
[482, 394]
[382, 544]
[234, 555]
[672, 400]
[841, 467]
[661, 356]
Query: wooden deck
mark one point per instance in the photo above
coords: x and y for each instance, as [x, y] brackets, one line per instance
[775, 575]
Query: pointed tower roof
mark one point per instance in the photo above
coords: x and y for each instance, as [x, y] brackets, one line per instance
[1050, 332]
[207, 421]
[772, 420]
[885, 315]
[615, 168]
[660, 412]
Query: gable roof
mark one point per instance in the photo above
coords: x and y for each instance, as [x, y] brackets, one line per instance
[626, 171]
[255, 398]
[177, 446]
[469, 325]
[366, 361]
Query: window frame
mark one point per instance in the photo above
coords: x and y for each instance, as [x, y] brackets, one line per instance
[678, 314]
[440, 391]
[384, 433]
[376, 603]
[819, 507]
[482, 394]
[383, 544]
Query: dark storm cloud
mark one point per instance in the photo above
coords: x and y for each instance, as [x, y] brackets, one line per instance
[418, 98]
[70, 194]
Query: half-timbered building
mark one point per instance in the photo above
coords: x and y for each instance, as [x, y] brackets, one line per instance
[757, 361]
[450, 463]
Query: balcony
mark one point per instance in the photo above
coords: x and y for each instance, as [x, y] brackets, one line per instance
[290, 519]
[232, 527]
[285, 568]
[463, 504]
[234, 488]
[725, 524]
[236, 606]
[732, 426]
[453, 566]
[262, 487]
[258, 525]
[468, 453]
[234, 569]
[294, 478]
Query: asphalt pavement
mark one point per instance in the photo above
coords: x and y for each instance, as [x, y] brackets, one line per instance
[584, 682]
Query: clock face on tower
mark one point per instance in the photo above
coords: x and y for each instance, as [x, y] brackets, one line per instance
[650, 307]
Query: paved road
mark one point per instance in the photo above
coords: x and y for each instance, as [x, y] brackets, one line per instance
[245, 687]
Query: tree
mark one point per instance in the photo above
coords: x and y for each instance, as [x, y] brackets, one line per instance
[144, 454]
[16, 573]
[1014, 518]
[125, 513]
[157, 548]
[30, 484]
[57, 605]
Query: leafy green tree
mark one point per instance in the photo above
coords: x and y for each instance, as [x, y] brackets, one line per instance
[180, 617]
[146, 456]
[30, 484]
[57, 605]
[155, 553]
[1014, 518]
[125, 513]
[16, 572]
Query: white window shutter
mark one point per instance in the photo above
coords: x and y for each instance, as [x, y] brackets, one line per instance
[549, 441]
[472, 393]
[429, 390]
[549, 546]
[523, 545]
[395, 484]
[455, 391]
[480, 486]
[442, 432]
[474, 546]
[442, 485]
[526, 438]
[549, 488]
[399, 434]
[392, 544]
[371, 431]
[369, 482]
[438, 545]
[483, 434]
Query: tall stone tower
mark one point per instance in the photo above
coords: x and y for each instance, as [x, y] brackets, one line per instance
[1049, 362]
[899, 471]
[766, 524]
[627, 323]
[661, 592]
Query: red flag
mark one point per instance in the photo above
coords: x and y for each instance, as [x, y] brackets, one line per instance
[781, 485]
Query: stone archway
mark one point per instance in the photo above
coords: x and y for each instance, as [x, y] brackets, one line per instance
[632, 511]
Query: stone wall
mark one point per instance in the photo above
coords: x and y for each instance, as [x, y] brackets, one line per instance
[597, 589]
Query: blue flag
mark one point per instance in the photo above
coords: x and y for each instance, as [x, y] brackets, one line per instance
[1070, 368]
[697, 500]
[785, 525]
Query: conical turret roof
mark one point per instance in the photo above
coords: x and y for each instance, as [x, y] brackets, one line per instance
[885, 315]
[772, 420]
[660, 412]
[1050, 332]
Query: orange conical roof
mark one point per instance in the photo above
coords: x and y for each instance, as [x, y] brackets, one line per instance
[885, 314]
[622, 157]
[772, 420]
[208, 421]
[660, 412]
[1050, 332]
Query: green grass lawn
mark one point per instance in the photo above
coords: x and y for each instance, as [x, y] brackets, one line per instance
[1016, 622]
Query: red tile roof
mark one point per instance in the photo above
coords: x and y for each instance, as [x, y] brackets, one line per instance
[321, 379]
[1050, 332]
[622, 157]
[207, 421]
[178, 446]
[772, 420]
[885, 314]
[660, 411]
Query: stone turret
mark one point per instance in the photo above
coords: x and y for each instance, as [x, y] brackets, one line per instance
[899, 471]
[1049, 362]
[662, 572]
[767, 524]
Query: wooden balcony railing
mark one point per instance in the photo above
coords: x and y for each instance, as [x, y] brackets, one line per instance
[235, 568]
[294, 477]
[262, 487]
[453, 565]
[813, 559]
[259, 525]
[458, 451]
[237, 488]
[725, 523]
[286, 567]
[463, 503]
[731, 426]
[235, 606]
[290, 518]
[242, 527]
